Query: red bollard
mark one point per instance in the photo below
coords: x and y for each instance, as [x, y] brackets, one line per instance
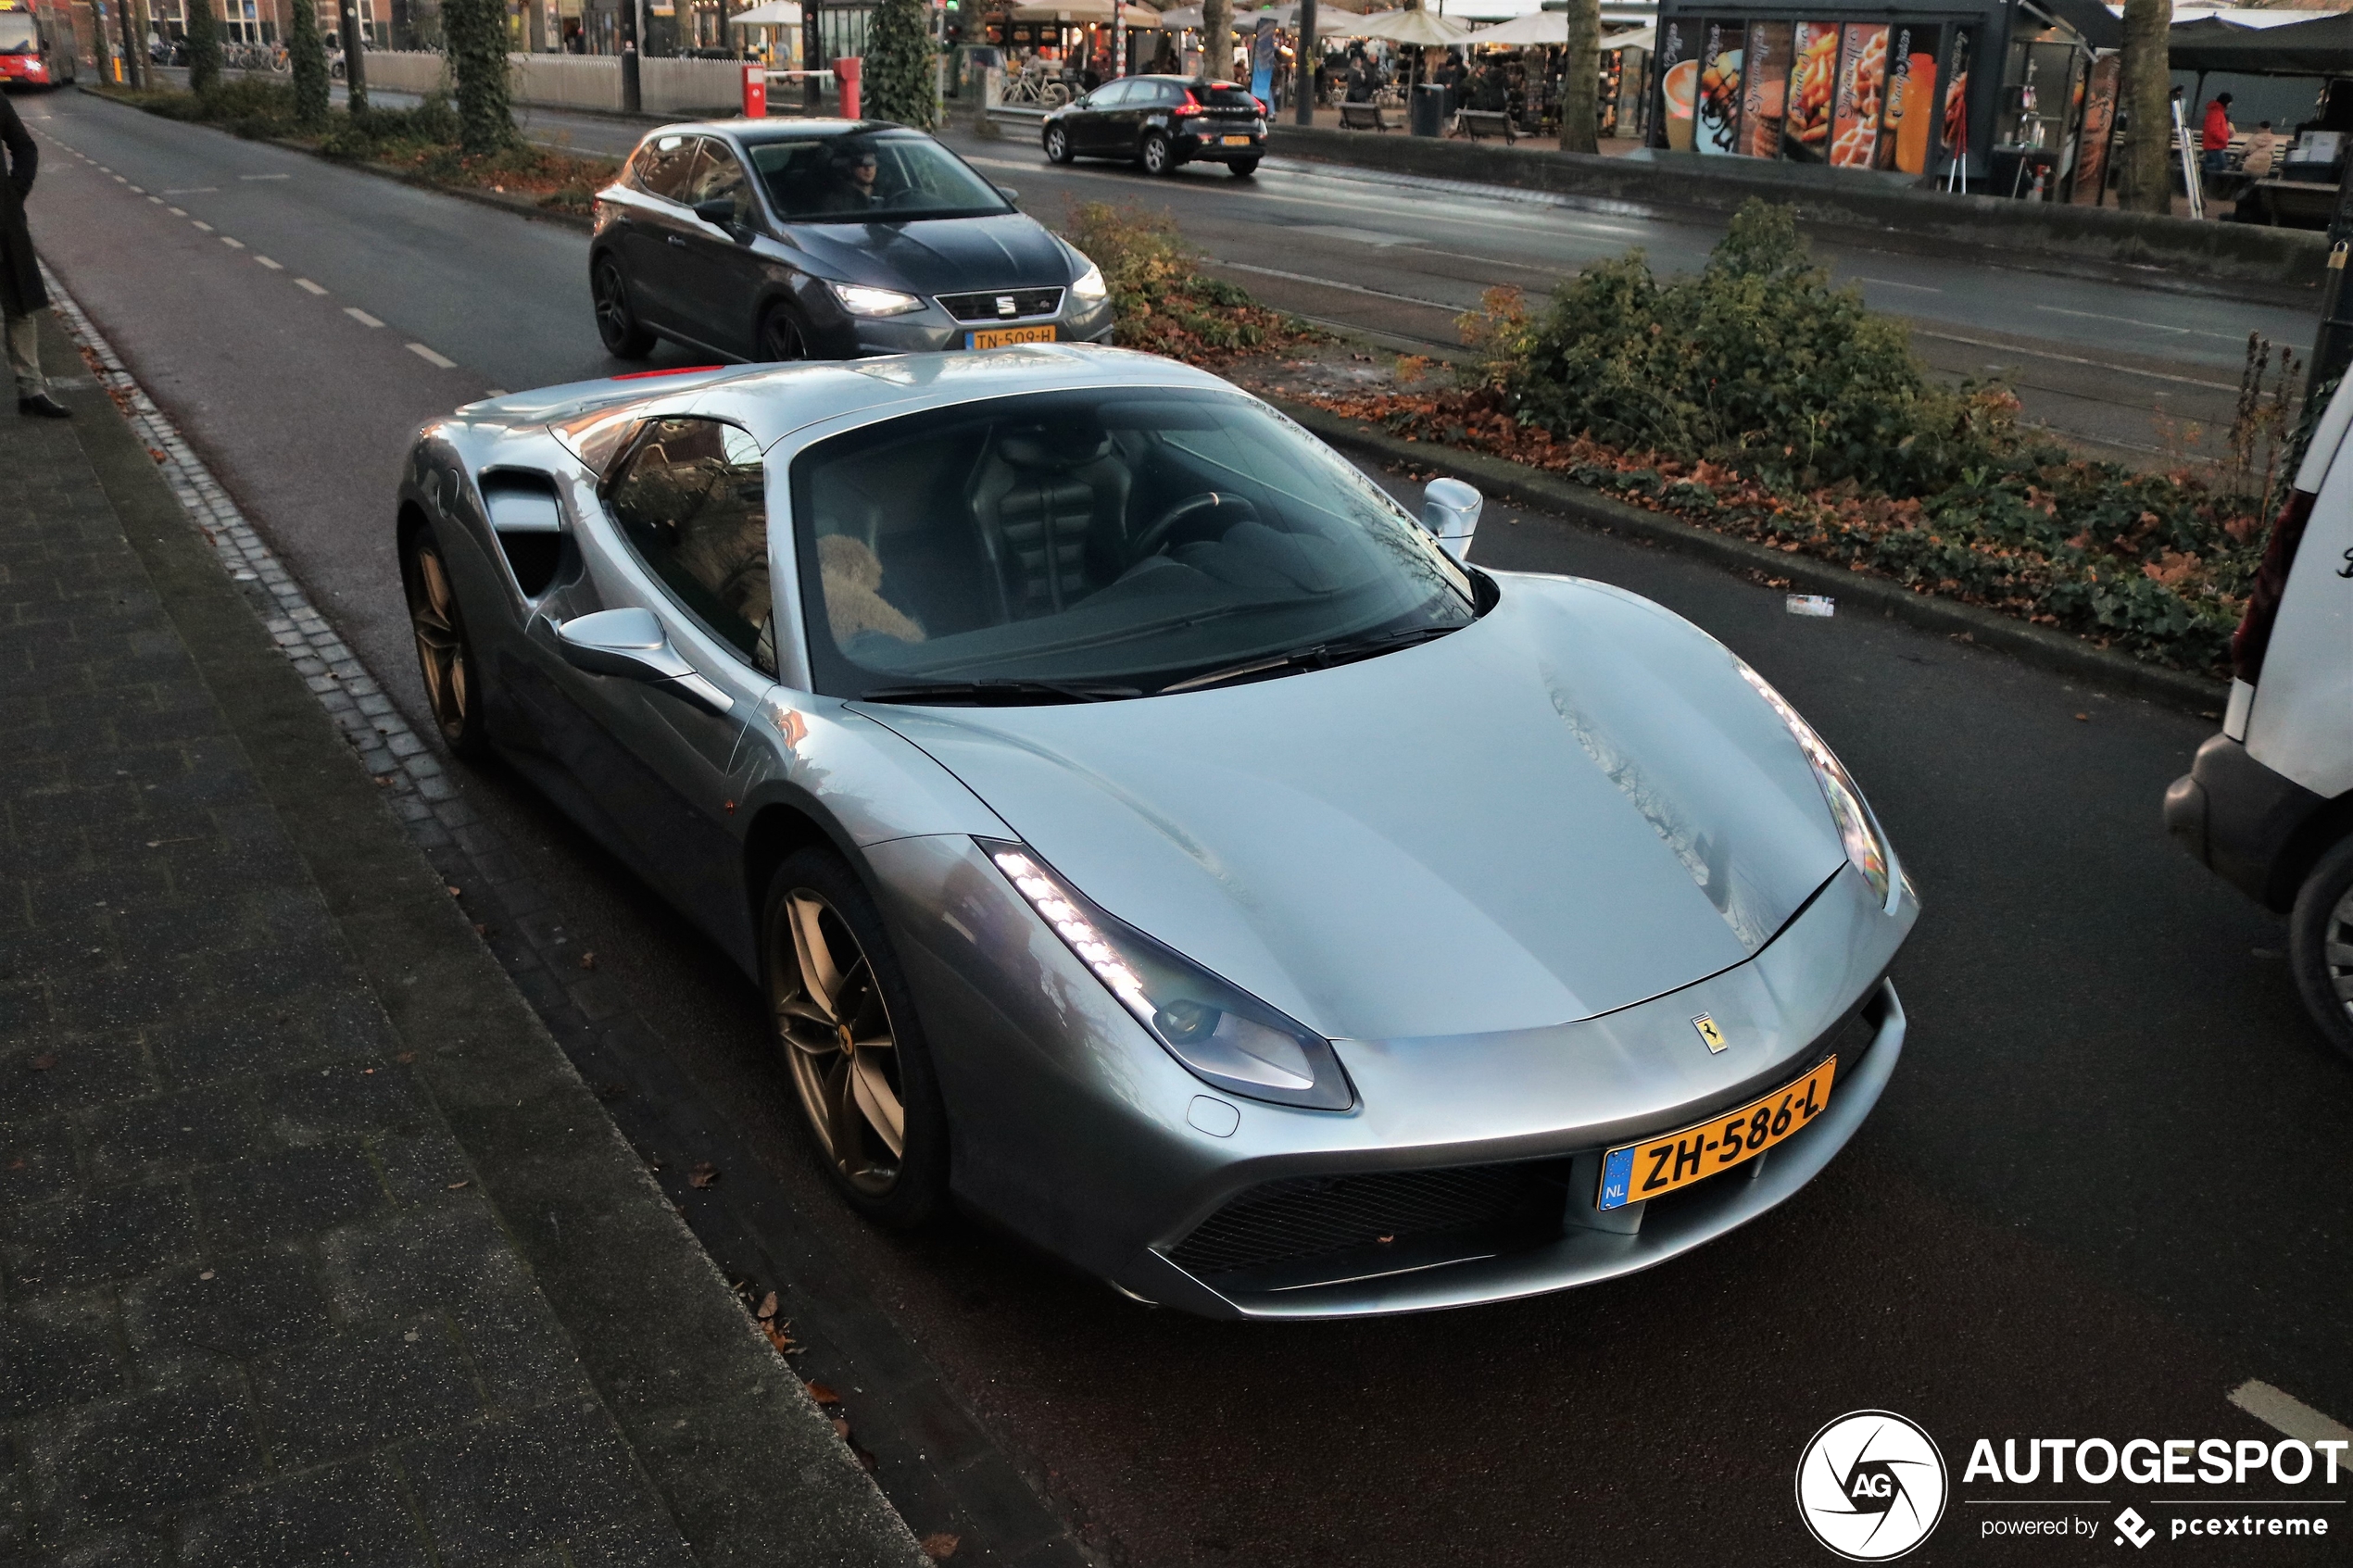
[845, 70]
[755, 91]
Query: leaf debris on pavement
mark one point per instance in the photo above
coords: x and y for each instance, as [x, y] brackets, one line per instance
[702, 1173]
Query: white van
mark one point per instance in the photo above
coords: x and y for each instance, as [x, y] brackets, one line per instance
[2269, 803]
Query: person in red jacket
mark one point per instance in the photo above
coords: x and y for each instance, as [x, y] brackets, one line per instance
[2215, 140]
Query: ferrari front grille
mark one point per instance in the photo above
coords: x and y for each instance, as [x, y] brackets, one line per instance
[1300, 1218]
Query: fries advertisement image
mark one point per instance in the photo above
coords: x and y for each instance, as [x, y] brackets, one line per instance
[1954, 131]
[1764, 89]
[1862, 76]
[1806, 128]
[1911, 99]
[1717, 124]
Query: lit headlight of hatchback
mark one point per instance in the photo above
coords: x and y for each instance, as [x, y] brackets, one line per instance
[1857, 829]
[1222, 1036]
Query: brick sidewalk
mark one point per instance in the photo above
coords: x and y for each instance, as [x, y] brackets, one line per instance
[262, 1301]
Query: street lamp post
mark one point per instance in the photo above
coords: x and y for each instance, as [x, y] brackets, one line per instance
[1303, 76]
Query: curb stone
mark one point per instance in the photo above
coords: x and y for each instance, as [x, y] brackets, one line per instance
[1501, 478]
[712, 1415]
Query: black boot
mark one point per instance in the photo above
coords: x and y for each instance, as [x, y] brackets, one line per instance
[40, 404]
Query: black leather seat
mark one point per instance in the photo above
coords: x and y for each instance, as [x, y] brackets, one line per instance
[1050, 512]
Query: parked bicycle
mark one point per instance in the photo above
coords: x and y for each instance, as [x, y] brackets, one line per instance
[1036, 84]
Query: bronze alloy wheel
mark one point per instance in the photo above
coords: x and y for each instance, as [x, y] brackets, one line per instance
[444, 660]
[836, 1028]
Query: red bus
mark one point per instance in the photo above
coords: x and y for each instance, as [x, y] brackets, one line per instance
[37, 44]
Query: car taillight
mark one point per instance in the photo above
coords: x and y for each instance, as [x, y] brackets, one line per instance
[2254, 635]
[1255, 99]
[1190, 106]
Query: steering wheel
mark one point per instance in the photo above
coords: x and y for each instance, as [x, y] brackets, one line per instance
[1191, 509]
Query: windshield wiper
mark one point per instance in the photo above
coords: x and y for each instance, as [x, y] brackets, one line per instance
[1002, 691]
[1318, 655]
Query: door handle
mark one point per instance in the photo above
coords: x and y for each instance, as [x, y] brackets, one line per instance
[676, 239]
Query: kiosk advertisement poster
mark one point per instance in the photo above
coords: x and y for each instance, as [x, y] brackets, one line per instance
[1862, 74]
[2099, 119]
[1765, 88]
[1911, 100]
[1805, 129]
[1678, 87]
[1955, 116]
[1717, 120]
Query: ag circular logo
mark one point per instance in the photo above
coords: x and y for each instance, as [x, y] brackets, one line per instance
[1870, 1485]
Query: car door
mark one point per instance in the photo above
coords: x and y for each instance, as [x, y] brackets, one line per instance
[1153, 100]
[685, 537]
[718, 275]
[651, 219]
[1095, 125]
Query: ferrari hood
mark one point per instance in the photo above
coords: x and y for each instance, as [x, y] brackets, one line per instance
[1572, 805]
[941, 255]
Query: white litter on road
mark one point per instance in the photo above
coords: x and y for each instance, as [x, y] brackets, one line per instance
[1812, 604]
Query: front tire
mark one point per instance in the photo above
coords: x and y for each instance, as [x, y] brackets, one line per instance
[1159, 157]
[844, 1024]
[781, 339]
[2320, 946]
[623, 335]
[1058, 144]
[445, 654]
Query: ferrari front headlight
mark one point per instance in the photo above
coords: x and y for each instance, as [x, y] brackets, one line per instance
[1220, 1033]
[1857, 829]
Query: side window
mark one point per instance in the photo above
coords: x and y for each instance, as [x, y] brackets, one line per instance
[690, 503]
[661, 166]
[718, 176]
[1116, 94]
[1164, 93]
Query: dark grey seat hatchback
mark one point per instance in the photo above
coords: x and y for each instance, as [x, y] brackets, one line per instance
[825, 240]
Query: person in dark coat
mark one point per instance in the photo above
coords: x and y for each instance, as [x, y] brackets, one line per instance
[20, 290]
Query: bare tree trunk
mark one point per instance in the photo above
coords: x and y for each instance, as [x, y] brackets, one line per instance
[1216, 40]
[1581, 78]
[2145, 181]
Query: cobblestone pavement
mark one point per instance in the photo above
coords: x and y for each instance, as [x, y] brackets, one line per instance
[258, 1305]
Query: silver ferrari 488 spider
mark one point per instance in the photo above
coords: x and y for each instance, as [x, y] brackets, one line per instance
[1148, 834]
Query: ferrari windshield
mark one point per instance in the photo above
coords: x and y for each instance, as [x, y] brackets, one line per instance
[1112, 543]
[881, 177]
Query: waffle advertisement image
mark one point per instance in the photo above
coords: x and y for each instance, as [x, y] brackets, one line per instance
[1862, 74]
[1764, 89]
[1813, 79]
[1716, 128]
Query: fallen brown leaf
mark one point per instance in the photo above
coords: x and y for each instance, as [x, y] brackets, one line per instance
[702, 1173]
[587, 960]
[768, 1306]
[2083, 718]
[940, 1546]
[841, 1429]
[405, 1058]
[45, 1061]
[455, 891]
[775, 1329]
[455, 1185]
[822, 1394]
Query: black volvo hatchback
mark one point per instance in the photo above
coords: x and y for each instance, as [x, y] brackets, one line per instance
[1161, 121]
[826, 240]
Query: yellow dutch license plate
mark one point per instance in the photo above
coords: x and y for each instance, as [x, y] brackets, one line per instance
[1235, 141]
[997, 337]
[1638, 1172]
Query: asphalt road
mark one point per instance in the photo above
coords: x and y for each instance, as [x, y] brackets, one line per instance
[2105, 1186]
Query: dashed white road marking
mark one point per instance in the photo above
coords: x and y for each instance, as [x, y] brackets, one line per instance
[193, 191]
[307, 284]
[232, 244]
[201, 225]
[177, 211]
[361, 315]
[138, 190]
[266, 262]
[429, 357]
[265, 176]
[158, 200]
[1892, 283]
[122, 180]
[2284, 1413]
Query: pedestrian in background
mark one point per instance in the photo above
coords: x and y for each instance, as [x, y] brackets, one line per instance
[2215, 138]
[20, 290]
[2261, 149]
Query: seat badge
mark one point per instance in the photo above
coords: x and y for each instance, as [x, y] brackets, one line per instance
[1709, 1032]
[1005, 306]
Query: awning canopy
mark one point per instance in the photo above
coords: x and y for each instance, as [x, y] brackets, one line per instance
[1537, 27]
[1413, 28]
[771, 13]
[2323, 47]
[1085, 11]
